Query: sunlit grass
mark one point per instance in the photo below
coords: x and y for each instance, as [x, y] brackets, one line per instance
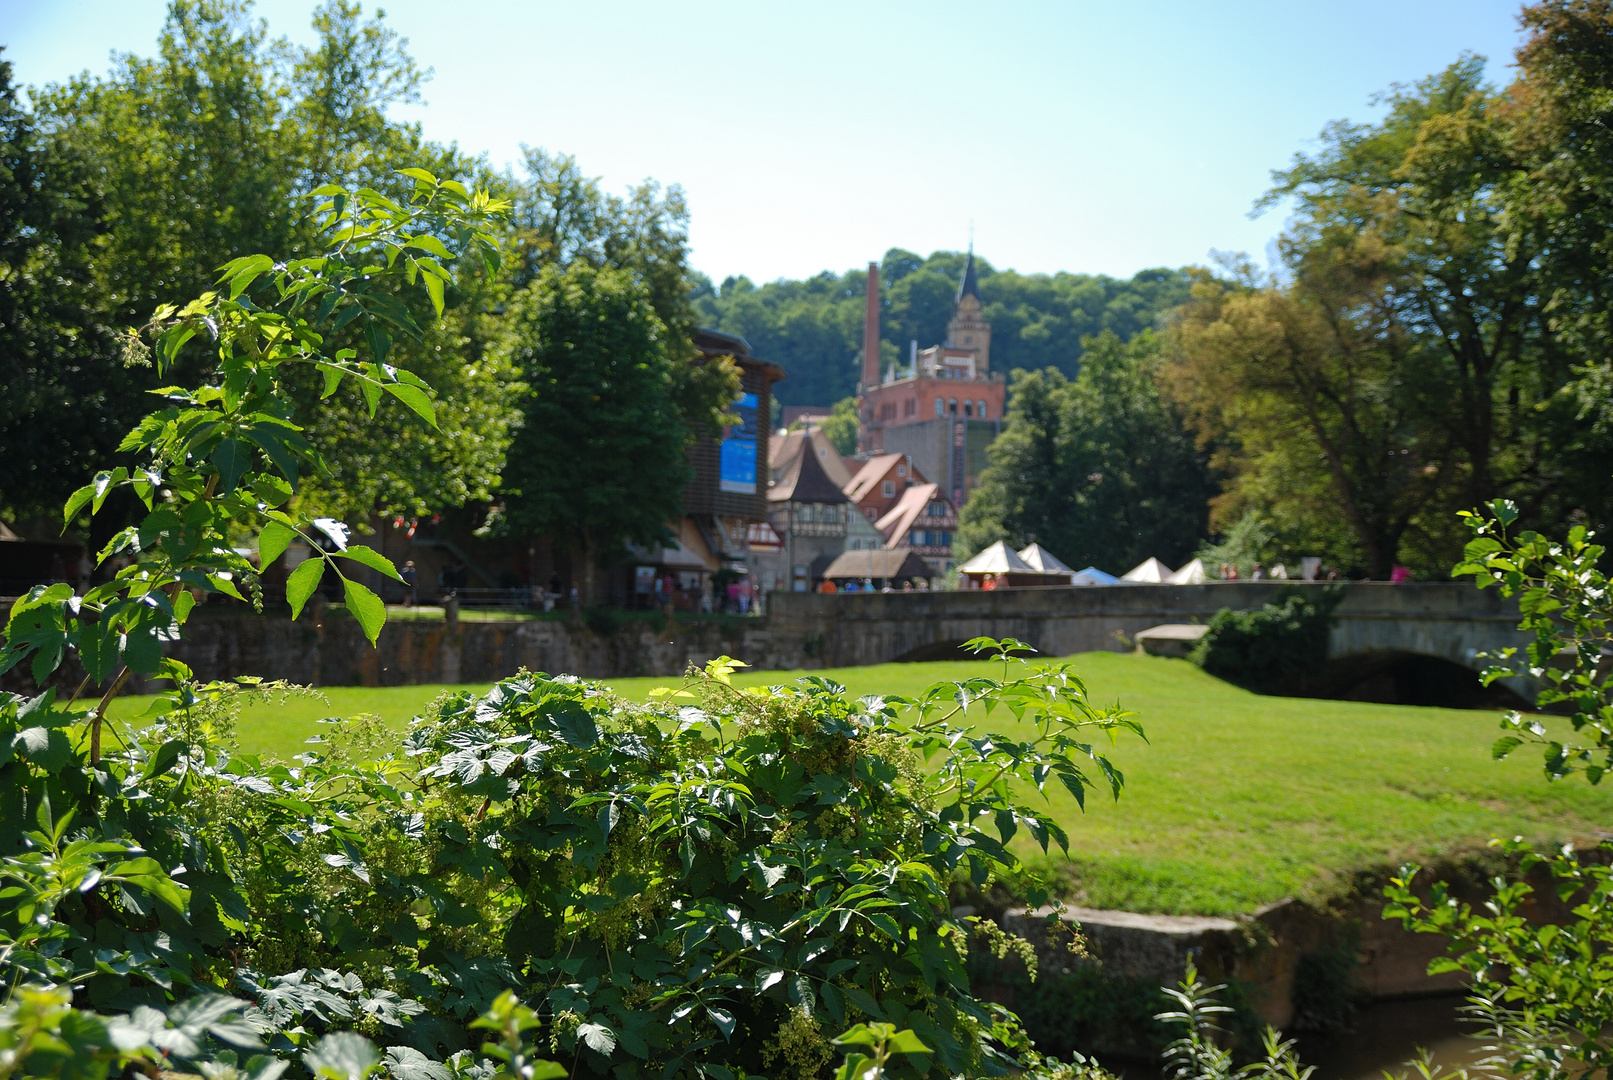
[1236, 800]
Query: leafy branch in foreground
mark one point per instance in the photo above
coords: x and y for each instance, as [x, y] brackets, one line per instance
[1565, 602]
[222, 461]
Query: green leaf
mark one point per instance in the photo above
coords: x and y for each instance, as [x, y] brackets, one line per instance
[428, 243]
[333, 378]
[48, 748]
[723, 1019]
[415, 398]
[302, 583]
[419, 174]
[373, 559]
[272, 543]
[600, 1039]
[366, 607]
[342, 1055]
[164, 758]
[907, 1042]
[148, 874]
[379, 341]
[270, 489]
[232, 458]
[76, 502]
[575, 726]
[254, 268]
[1075, 784]
[1505, 511]
[433, 286]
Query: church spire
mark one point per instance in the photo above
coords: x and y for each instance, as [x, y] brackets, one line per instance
[970, 285]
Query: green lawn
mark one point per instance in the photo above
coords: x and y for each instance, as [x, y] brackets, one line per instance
[1237, 800]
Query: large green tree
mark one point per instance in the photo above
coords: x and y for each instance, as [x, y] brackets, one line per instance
[1316, 397]
[562, 217]
[206, 151]
[1443, 215]
[1097, 469]
[59, 357]
[597, 458]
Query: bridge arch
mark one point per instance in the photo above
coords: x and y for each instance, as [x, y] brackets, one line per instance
[1407, 677]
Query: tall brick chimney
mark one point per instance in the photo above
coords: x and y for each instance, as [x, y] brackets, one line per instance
[871, 329]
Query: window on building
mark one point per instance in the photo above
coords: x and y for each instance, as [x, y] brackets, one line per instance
[980, 409]
[940, 407]
[968, 408]
[901, 470]
[952, 406]
[888, 489]
[829, 515]
[872, 513]
[945, 539]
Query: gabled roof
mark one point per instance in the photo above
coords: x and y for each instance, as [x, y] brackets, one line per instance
[804, 476]
[873, 470]
[785, 456]
[999, 558]
[1039, 558]
[881, 563]
[970, 285]
[899, 518]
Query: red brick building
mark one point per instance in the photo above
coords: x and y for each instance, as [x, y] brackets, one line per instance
[943, 410]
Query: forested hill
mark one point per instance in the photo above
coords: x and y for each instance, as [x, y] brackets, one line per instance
[814, 327]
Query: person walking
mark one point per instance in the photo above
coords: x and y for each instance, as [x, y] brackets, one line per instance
[411, 578]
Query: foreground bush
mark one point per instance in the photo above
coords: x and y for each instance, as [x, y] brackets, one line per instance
[710, 886]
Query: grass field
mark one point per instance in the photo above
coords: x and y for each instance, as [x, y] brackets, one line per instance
[1235, 801]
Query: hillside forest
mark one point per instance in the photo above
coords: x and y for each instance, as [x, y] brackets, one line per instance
[814, 327]
[1432, 335]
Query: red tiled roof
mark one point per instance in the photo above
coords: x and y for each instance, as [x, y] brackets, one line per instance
[899, 520]
[872, 472]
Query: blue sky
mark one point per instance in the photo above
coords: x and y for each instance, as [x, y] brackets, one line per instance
[1093, 137]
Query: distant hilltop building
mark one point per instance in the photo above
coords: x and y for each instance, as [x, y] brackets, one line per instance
[946, 407]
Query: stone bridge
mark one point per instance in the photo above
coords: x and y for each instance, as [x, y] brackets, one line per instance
[1416, 642]
[1412, 644]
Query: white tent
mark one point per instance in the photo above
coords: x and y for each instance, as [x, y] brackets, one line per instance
[1038, 557]
[1093, 576]
[999, 558]
[1148, 572]
[1191, 574]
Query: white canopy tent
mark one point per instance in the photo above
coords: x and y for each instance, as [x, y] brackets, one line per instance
[1148, 572]
[1038, 557]
[999, 558]
[1191, 574]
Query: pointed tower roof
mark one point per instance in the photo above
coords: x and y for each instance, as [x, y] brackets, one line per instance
[970, 285]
